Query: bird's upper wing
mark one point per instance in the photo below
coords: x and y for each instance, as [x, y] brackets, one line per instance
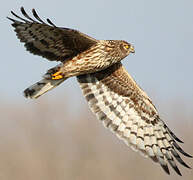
[127, 111]
[49, 41]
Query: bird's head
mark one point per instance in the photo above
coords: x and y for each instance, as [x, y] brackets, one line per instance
[127, 48]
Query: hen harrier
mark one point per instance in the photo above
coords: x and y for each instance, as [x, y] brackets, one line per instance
[111, 92]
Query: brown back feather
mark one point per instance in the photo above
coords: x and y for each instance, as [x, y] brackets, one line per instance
[49, 41]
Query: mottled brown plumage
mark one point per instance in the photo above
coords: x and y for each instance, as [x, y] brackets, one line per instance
[78, 53]
[112, 94]
[49, 41]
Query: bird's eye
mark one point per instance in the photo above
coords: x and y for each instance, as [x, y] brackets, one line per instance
[126, 46]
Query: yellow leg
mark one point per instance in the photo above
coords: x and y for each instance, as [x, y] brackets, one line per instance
[57, 75]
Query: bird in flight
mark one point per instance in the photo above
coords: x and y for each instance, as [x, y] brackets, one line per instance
[112, 94]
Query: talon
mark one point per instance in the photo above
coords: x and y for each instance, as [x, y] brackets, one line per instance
[57, 75]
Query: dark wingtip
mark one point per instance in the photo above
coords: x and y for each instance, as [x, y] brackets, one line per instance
[36, 16]
[22, 10]
[178, 171]
[173, 135]
[179, 159]
[10, 19]
[166, 169]
[51, 23]
[173, 165]
[13, 13]
[34, 12]
[184, 164]
[181, 150]
[19, 17]
[26, 15]
[188, 155]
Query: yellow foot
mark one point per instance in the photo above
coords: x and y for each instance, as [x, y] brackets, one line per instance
[57, 75]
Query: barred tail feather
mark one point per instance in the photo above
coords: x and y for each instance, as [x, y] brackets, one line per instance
[41, 87]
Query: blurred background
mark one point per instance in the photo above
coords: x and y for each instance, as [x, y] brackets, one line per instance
[56, 136]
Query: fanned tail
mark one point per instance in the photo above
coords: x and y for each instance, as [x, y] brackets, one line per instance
[41, 87]
[51, 79]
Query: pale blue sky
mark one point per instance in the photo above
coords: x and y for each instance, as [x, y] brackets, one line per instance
[161, 31]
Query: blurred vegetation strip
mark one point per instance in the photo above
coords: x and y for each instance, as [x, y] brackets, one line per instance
[44, 141]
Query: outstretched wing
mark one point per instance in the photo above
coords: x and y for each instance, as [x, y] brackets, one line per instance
[49, 41]
[127, 111]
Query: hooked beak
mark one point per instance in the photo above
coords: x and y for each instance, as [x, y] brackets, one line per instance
[132, 49]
